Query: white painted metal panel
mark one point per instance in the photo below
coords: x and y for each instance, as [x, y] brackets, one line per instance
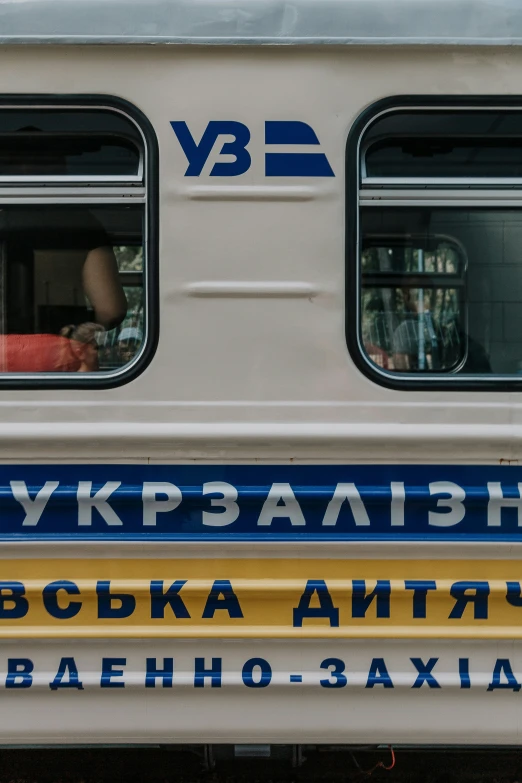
[263, 371]
[281, 712]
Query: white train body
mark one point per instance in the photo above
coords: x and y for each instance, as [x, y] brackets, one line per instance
[252, 386]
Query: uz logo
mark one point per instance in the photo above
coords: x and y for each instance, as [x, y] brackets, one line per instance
[277, 164]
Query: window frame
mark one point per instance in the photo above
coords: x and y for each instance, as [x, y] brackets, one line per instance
[353, 278]
[116, 378]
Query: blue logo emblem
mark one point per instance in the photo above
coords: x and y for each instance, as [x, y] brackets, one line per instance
[236, 135]
[294, 164]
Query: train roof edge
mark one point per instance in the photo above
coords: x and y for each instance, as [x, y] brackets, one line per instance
[262, 22]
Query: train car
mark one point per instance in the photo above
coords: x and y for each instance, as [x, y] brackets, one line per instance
[261, 367]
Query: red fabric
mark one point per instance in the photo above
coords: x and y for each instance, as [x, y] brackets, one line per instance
[37, 353]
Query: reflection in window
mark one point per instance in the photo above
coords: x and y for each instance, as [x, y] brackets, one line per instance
[447, 299]
[120, 346]
[439, 226]
[412, 310]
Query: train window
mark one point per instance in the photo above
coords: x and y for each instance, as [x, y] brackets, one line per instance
[66, 145]
[435, 231]
[75, 266]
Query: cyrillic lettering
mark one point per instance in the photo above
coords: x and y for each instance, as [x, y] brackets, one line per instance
[33, 507]
[19, 673]
[316, 587]
[465, 681]
[420, 591]
[503, 667]
[281, 494]
[337, 678]
[361, 600]
[152, 506]
[236, 148]
[454, 503]
[378, 674]
[201, 673]
[398, 498]
[197, 154]
[227, 501]
[153, 673]
[98, 501]
[425, 675]
[479, 599]
[50, 599]
[159, 600]
[513, 595]
[265, 672]
[67, 666]
[106, 610]
[15, 596]
[108, 672]
[350, 494]
[497, 501]
[229, 602]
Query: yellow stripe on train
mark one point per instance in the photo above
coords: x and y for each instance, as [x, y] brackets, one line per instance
[260, 598]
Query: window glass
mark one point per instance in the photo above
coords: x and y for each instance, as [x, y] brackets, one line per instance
[119, 346]
[72, 253]
[67, 144]
[439, 264]
[445, 144]
[447, 300]
[59, 276]
[448, 156]
[413, 313]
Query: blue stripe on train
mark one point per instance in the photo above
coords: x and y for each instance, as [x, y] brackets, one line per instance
[261, 502]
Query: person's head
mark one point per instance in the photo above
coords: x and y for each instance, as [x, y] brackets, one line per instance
[129, 341]
[84, 344]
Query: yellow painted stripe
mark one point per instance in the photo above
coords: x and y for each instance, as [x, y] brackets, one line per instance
[265, 588]
[268, 592]
[195, 631]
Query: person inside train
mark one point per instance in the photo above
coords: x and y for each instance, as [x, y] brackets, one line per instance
[89, 270]
[92, 272]
[406, 343]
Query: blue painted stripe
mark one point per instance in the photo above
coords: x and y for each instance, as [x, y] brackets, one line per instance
[297, 164]
[197, 514]
[289, 132]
